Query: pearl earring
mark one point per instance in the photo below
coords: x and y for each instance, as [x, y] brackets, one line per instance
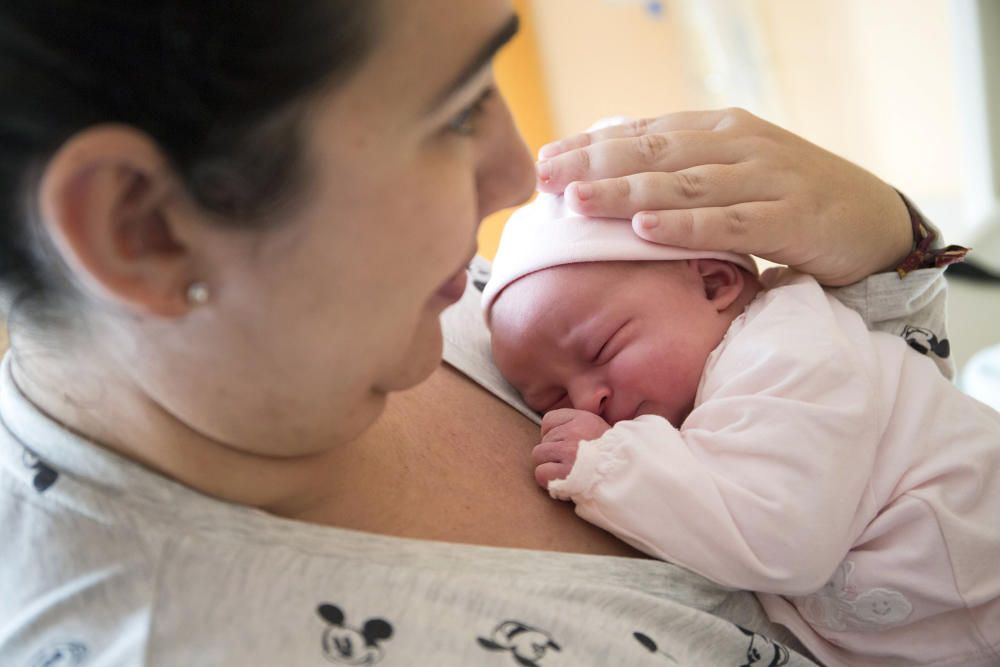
[198, 294]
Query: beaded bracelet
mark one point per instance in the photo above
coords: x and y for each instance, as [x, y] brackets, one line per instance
[923, 256]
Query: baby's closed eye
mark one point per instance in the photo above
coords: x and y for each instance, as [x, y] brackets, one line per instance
[610, 346]
[545, 402]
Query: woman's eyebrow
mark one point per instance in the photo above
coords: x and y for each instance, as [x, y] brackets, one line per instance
[483, 56]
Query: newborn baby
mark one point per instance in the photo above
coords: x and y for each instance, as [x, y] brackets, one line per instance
[753, 430]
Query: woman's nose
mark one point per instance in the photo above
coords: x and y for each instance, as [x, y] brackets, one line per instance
[506, 175]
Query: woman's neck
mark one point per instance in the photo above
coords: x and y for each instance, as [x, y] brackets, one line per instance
[88, 397]
[426, 469]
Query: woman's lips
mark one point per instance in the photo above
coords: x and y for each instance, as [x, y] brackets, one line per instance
[453, 288]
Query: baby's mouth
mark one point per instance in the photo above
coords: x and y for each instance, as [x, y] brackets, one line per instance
[641, 409]
[649, 408]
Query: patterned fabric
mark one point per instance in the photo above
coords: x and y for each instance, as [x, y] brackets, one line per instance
[927, 253]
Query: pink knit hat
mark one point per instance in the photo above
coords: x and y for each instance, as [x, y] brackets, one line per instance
[546, 233]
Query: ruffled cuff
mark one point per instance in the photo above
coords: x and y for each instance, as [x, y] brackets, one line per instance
[596, 460]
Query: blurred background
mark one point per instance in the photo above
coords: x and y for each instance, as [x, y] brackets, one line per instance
[909, 89]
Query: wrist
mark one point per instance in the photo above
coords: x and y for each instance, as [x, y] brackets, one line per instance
[888, 241]
[900, 230]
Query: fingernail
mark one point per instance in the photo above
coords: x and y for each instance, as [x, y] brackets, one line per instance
[646, 220]
[584, 191]
[544, 171]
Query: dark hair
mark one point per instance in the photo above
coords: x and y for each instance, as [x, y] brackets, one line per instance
[218, 85]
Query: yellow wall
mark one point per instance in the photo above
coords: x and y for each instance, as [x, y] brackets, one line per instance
[520, 79]
[603, 59]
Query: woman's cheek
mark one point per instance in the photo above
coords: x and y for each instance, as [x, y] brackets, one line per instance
[455, 239]
[439, 227]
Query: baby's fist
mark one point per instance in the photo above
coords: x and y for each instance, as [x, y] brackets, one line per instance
[562, 431]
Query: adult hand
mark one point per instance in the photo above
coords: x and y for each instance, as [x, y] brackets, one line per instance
[727, 180]
[562, 431]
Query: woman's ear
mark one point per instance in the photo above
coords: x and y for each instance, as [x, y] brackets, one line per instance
[104, 201]
[723, 281]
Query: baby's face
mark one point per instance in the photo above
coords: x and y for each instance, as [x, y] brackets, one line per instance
[619, 339]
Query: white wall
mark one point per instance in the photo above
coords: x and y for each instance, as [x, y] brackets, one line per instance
[977, 36]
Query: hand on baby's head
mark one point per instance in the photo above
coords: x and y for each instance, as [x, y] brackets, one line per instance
[562, 431]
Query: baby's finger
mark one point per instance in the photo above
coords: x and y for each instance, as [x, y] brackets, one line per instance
[549, 452]
[672, 151]
[745, 227]
[548, 472]
[556, 418]
[706, 186]
[682, 120]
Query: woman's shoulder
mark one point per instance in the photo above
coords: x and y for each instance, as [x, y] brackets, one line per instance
[72, 580]
[272, 591]
[264, 590]
[122, 567]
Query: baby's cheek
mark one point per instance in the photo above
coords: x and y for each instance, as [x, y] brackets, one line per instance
[666, 386]
[509, 357]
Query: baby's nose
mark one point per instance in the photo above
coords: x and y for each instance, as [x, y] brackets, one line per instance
[592, 399]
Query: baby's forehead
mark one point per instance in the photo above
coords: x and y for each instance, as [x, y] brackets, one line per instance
[568, 282]
[558, 298]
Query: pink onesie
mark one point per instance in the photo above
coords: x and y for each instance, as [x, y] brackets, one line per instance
[832, 470]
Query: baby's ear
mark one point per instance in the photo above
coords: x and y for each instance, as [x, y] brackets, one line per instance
[723, 281]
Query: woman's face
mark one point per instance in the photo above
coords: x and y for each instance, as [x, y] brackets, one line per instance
[312, 323]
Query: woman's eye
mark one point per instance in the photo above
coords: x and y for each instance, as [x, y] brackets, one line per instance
[464, 122]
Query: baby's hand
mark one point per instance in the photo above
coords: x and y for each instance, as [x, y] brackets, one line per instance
[562, 431]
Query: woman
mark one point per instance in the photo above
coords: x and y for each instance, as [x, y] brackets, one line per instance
[228, 239]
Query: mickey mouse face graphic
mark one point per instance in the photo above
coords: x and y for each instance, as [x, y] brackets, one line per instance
[345, 645]
[526, 644]
[763, 651]
[925, 342]
[44, 475]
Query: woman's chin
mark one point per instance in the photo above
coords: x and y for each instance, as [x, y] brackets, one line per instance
[422, 358]
[424, 353]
